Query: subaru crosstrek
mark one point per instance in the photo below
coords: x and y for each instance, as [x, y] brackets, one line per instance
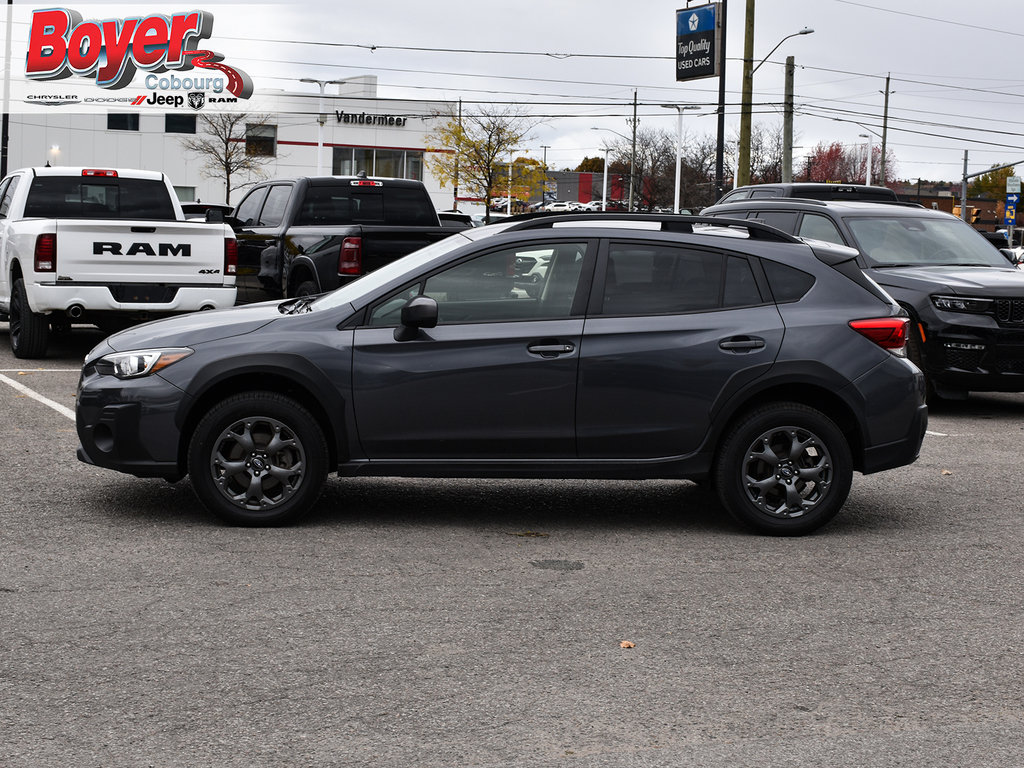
[675, 347]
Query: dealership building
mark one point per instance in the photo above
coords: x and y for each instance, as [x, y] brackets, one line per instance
[148, 130]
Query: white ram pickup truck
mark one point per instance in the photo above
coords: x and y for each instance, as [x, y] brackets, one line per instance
[106, 247]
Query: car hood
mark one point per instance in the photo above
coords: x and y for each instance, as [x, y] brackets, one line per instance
[965, 281]
[196, 327]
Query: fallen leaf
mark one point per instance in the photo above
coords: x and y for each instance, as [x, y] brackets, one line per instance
[946, 472]
[627, 644]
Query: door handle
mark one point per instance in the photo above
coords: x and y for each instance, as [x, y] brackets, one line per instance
[551, 349]
[741, 344]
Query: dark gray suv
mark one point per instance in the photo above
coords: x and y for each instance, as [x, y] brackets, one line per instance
[964, 297]
[672, 347]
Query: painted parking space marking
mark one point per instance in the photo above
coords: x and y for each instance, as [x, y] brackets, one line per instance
[61, 409]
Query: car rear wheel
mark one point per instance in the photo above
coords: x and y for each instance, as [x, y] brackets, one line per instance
[785, 469]
[258, 458]
[30, 331]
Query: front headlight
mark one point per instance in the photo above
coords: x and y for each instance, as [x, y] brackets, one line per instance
[142, 362]
[962, 303]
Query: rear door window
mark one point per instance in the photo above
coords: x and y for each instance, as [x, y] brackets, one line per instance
[653, 279]
[273, 210]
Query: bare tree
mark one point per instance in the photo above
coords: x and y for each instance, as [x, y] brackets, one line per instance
[225, 151]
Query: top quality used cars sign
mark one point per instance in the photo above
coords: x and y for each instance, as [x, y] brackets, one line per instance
[697, 41]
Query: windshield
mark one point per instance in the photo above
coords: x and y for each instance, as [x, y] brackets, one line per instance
[351, 292]
[906, 241]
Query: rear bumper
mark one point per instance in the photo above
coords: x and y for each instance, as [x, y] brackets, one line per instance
[900, 452]
[103, 298]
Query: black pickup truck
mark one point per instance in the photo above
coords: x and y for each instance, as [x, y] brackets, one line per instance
[307, 235]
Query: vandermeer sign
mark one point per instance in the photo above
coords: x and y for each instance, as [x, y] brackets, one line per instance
[697, 41]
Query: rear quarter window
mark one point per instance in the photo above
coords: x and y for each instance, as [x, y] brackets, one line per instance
[787, 283]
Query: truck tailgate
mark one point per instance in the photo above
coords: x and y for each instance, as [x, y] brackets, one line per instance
[179, 253]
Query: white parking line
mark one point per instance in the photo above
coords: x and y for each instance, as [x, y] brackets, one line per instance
[63, 410]
[935, 434]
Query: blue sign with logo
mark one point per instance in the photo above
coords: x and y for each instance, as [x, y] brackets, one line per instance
[697, 39]
[1010, 215]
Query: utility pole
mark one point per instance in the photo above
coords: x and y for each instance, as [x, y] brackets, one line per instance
[720, 149]
[632, 154]
[743, 171]
[787, 124]
[885, 126]
[5, 129]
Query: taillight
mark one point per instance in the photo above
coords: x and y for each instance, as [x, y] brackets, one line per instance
[230, 256]
[99, 172]
[887, 332]
[350, 258]
[46, 253]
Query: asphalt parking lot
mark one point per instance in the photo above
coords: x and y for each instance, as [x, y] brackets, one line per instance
[481, 623]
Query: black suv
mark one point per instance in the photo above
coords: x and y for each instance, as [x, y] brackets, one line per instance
[679, 347]
[811, 190]
[964, 297]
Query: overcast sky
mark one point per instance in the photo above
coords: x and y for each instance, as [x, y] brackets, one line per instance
[955, 67]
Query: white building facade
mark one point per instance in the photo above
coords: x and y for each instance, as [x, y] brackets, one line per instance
[360, 132]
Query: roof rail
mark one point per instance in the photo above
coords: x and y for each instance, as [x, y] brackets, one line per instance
[669, 223]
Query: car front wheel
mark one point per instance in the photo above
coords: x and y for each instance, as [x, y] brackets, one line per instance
[258, 458]
[784, 469]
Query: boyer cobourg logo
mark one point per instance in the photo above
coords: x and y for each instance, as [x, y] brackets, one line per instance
[112, 51]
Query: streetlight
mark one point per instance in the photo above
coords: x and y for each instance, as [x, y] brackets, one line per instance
[632, 162]
[743, 172]
[867, 172]
[679, 143]
[320, 119]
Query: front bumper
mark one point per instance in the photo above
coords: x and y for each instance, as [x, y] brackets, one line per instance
[129, 425]
[974, 353]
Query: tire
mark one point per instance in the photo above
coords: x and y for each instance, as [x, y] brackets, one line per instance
[306, 288]
[30, 331]
[784, 469]
[258, 459]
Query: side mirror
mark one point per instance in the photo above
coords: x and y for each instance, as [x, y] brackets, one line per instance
[1013, 256]
[418, 312]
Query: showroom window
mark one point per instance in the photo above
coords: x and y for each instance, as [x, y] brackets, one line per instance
[122, 121]
[261, 140]
[179, 123]
[392, 163]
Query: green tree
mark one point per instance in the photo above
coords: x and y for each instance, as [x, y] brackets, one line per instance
[590, 165]
[991, 186]
[472, 152]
